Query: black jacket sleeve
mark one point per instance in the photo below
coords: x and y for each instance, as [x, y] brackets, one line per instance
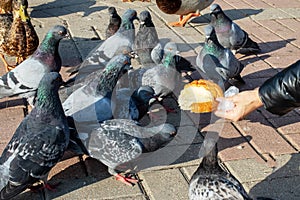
[281, 93]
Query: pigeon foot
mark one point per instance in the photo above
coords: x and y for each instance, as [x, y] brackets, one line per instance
[42, 186]
[127, 180]
[183, 20]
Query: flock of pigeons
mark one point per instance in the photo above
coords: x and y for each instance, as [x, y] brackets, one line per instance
[102, 105]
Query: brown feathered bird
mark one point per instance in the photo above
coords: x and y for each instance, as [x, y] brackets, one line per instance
[17, 35]
[190, 8]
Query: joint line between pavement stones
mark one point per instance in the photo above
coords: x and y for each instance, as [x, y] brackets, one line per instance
[142, 188]
[184, 175]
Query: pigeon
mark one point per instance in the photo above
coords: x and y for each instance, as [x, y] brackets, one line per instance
[23, 80]
[38, 143]
[91, 103]
[210, 181]
[132, 104]
[229, 34]
[146, 43]
[121, 42]
[216, 62]
[117, 142]
[114, 22]
[162, 78]
[191, 8]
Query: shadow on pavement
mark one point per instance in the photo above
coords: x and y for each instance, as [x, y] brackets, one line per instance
[87, 7]
[278, 185]
[233, 14]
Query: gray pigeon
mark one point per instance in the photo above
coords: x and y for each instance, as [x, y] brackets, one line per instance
[162, 78]
[91, 102]
[114, 22]
[132, 104]
[216, 62]
[146, 43]
[24, 79]
[229, 34]
[38, 143]
[126, 104]
[121, 41]
[118, 142]
[210, 181]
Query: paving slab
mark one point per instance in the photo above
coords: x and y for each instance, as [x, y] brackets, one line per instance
[165, 184]
[242, 169]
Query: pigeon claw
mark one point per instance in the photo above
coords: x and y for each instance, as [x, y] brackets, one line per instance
[170, 110]
[127, 180]
[41, 186]
[183, 20]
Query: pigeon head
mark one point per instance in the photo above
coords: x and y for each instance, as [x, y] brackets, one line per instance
[215, 9]
[170, 53]
[120, 64]
[52, 38]
[168, 131]
[126, 50]
[145, 18]
[129, 16]
[210, 34]
[112, 11]
[48, 87]
[58, 32]
[127, 26]
[113, 71]
[144, 94]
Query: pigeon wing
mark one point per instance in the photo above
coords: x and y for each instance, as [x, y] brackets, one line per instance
[237, 36]
[23, 78]
[35, 155]
[112, 146]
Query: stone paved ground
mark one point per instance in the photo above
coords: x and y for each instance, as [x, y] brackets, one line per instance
[262, 150]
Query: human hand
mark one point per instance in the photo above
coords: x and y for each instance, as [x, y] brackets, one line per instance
[244, 103]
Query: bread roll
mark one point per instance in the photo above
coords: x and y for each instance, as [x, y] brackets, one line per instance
[199, 96]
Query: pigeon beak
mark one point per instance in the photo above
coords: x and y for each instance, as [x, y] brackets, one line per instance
[133, 55]
[173, 133]
[62, 83]
[212, 13]
[67, 36]
[153, 99]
